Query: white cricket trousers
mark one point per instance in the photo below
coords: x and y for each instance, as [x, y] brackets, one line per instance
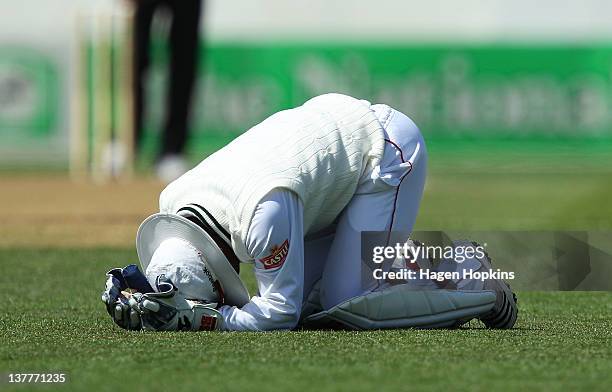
[386, 199]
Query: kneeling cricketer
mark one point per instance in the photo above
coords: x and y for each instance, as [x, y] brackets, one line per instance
[292, 195]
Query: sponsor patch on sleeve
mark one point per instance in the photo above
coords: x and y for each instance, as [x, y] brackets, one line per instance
[277, 257]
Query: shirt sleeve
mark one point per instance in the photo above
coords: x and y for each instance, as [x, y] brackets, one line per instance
[275, 240]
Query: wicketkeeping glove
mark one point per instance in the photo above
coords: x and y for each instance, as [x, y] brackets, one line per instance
[167, 310]
[164, 310]
[117, 304]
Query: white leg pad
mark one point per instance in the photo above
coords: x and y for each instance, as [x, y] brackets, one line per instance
[404, 307]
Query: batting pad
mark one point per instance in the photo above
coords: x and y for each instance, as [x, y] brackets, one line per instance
[404, 307]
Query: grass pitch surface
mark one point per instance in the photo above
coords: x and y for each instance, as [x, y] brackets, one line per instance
[52, 320]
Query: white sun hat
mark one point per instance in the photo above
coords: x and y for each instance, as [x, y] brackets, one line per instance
[178, 248]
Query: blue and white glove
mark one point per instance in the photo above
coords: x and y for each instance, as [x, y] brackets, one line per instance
[121, 308]
[168, 310]
[162, 310]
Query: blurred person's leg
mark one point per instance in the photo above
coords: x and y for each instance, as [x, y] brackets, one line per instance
[184, 40]
[143, 17]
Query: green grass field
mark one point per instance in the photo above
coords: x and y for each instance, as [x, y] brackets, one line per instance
[53, 320]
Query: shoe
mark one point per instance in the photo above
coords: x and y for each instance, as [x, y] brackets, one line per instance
[171, 167]
[505, 311]
[114, 159]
